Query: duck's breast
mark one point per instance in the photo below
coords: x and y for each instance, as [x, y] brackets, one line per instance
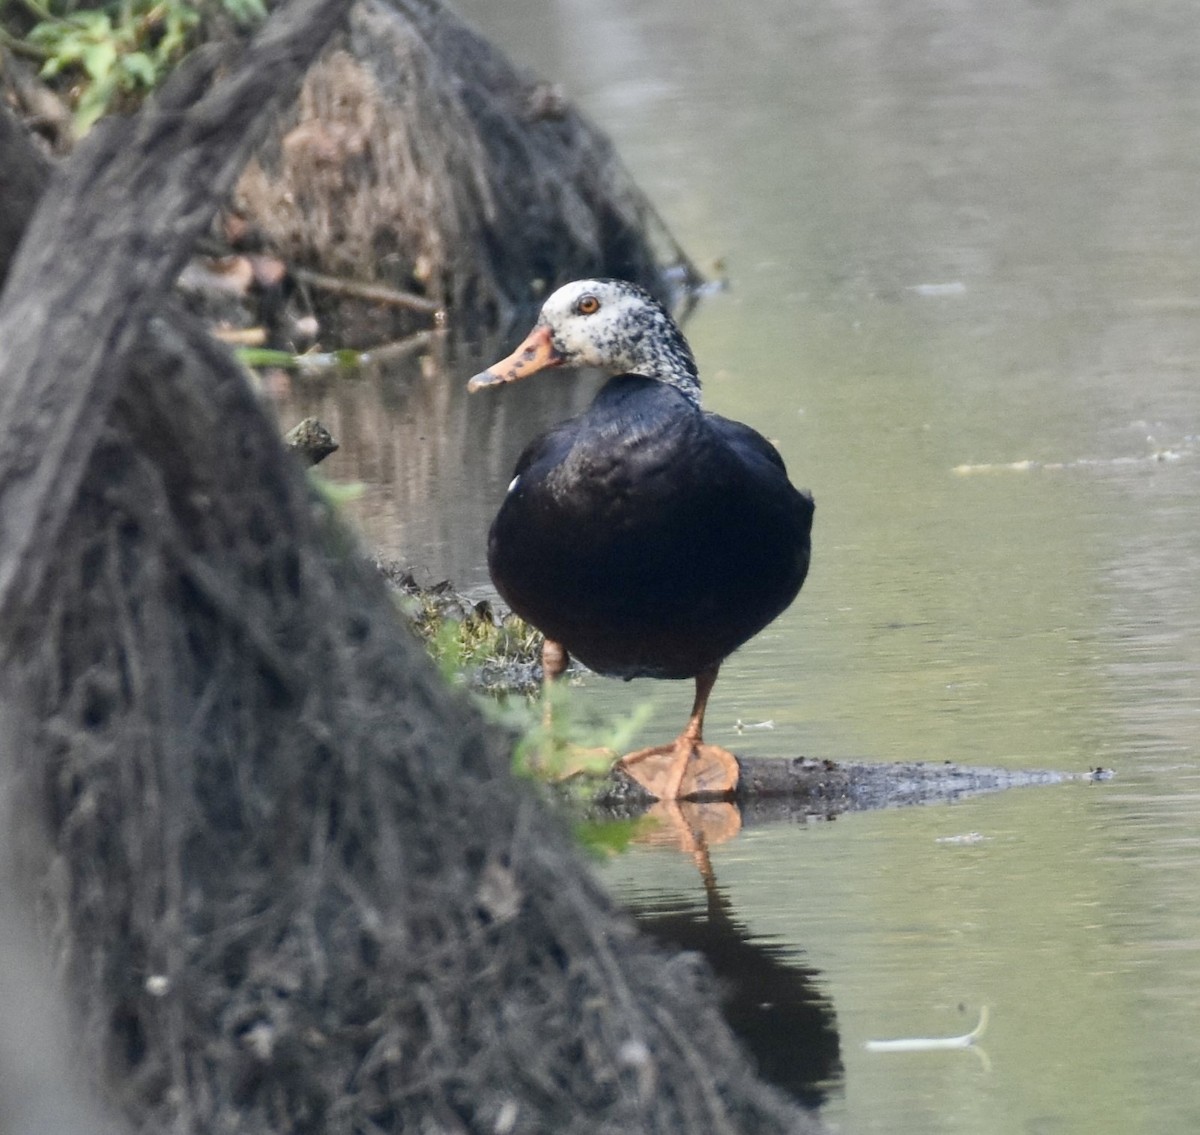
[648, 537]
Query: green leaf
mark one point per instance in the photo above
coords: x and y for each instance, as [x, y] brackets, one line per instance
[140, 67]
[179, 22]
[99, 58]
[97, 25]
[48, 35]
[93, 103]
[246, 11]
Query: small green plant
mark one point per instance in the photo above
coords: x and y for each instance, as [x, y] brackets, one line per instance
[467, 638]
[559, 749]
[495, 656]
[473, 646]
[557, 745]
[114, 54]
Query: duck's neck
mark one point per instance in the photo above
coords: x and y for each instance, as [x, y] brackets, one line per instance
[670, 361]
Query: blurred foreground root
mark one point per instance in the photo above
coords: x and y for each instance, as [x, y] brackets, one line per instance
[293, 885]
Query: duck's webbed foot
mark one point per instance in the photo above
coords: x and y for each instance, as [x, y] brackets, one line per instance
[686, 769]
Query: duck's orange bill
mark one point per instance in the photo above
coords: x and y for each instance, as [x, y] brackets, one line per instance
[535, 353]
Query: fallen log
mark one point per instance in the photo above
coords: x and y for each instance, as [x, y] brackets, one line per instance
[799, 785]
[774, 789]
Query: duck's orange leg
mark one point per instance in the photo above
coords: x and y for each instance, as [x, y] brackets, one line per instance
[687, 767]
[560, 759]
[555, 660]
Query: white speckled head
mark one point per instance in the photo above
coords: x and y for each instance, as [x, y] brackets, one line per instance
[612, 325]
[620, 328]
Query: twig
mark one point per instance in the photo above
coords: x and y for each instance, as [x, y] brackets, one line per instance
[19, 46]
[400, 348]
[376, 293]
[241, 336]
[40, 12]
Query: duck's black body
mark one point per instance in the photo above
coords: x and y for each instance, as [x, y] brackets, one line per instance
[648, 537]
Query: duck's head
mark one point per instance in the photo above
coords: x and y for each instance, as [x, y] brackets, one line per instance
[612, 325]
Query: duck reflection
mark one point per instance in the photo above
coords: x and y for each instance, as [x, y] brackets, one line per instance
[771, 1001]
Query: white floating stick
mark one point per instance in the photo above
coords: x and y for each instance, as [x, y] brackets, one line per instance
[928, 1044]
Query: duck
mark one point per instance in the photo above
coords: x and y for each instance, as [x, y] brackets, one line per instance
[648, 536]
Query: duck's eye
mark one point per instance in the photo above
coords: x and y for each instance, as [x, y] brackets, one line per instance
[587, 305]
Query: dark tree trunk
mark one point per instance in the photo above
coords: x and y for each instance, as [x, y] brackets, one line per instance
[289, 882]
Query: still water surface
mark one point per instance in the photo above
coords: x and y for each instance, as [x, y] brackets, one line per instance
[959, 237]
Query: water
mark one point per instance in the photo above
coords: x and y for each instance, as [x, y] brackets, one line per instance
[959, 236]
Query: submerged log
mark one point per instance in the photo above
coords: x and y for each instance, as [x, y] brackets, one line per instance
[287, 877]
[782, 787]
[774, 789]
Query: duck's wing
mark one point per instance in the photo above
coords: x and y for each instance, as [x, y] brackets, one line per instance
[747, 441]
[751, 447]
[548, 449]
